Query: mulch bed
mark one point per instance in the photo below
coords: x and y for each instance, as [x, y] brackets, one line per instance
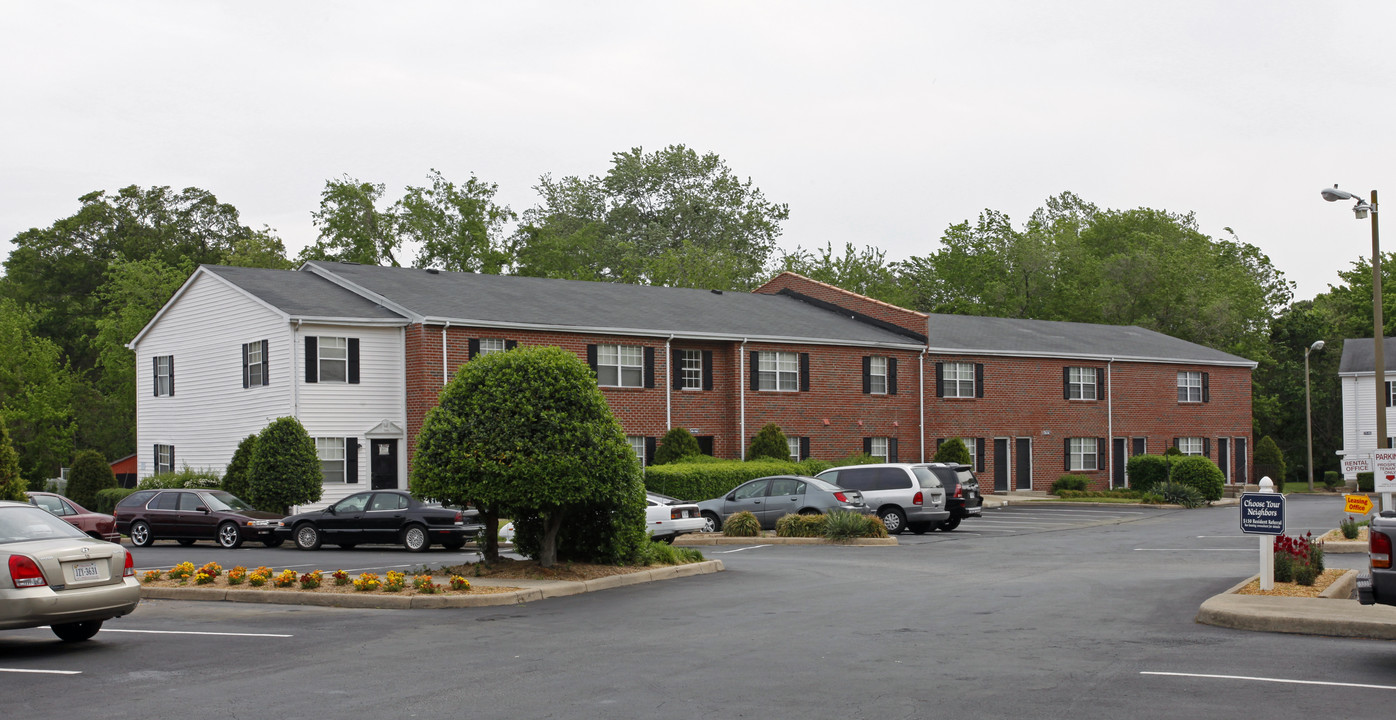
[511, 569]
[1289, 589]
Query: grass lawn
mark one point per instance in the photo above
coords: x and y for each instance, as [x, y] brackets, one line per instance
[1303, 487]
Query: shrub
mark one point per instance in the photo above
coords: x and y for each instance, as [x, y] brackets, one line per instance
[714, 478]
[285, 469]
[1364, 482]
[1284, 567]
[743, 524]
[1175, 493]
[89, 474]
[769, 442]
[1349, 528]
[1146, 471]
[1305, 574]
[847, 525]
[12, 486]
[952, 451]
[793, 525]
[1269, 460]
[106, 500]
[235, 478]
[676, 445]
[1201, 473]
[1116, 493]
[1172, 452]
[1068, 482]
[661, 553]
[185, 478]
[1332, 479]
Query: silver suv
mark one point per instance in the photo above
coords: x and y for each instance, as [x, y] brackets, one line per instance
[902, 494]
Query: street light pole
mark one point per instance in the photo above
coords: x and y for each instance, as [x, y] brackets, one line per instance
[1361, 209]
[1308, 411]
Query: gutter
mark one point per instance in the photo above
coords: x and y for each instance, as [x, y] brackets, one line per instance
[741, 389]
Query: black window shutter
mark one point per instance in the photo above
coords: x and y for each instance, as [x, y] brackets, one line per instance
[649, 450]
[1100, 451]
[891, 376]
[676, 371]
[1099, 383]
[312, 359]
[354, 361]
[156, 459]
[755, 371]
[244, 365]
[707, 369]
[171, 375]
[1066, 453]
[940, 379]
[804, 448]
[1176, 442]
[591, 357]
[891, 449]
[1388, 393]
[649, 367]
[804, 372]
[867, 375]
[939, 442]
[1206, 388]
[266, 363]
[867, 446]
[472, 348]
[510, 344]
[979, 380]
[1207, 447]
[979, 455]
[351, 460]
[1066, 383]
[155, 378]
[172, 462]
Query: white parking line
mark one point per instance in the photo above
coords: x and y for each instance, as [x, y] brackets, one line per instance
[42, 672]
[1249, 550]
[1271, 680]
[752, 547]
[1079, 510]
[375, 567]
[194, 632]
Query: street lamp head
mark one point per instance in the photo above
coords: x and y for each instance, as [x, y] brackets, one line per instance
[1318, 345]
[1333, 194]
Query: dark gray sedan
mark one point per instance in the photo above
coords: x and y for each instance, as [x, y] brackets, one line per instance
[771, 498]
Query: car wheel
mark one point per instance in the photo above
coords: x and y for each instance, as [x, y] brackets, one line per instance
[273, 542]
[229, 536]
[185, 542]
[712, 523]
[948, 525]
[76, 631]
[140, 534]
[307, 537]
[453, 544]
[920, 528]
[415, 538]
[894, 519]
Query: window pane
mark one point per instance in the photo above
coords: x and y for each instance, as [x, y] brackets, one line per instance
[793, 444]
[489, 345]
[692, 368]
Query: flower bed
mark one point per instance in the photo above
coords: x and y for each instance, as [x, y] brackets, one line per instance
[288, 580]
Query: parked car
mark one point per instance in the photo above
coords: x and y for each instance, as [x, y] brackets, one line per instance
[668, 518]
[1379, 585]
[771, 498]
[962, 496]
[902, 494]
[189, 516]
[52, 574]
[98, 525]
[381, 516]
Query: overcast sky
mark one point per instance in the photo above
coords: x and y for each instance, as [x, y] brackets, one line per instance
[878, 123]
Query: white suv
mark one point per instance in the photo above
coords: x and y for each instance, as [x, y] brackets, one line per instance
[902, 494]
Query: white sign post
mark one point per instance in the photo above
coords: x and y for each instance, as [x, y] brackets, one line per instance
[1384, 476]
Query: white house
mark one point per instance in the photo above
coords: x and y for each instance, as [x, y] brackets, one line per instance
[1358, 376]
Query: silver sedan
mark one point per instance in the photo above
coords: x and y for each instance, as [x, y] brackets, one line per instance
[52, 574]
[771, 498]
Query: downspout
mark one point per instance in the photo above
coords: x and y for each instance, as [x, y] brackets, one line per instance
[1110, 420]
[668, 386]
[295, 382]
[445, 368]
[741, 388]
[921, 385]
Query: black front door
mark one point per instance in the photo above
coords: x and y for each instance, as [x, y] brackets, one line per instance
[1022, 462]
[383, 464]
[1242, 472]
[1224, 458]
[1000, 465]
[1117, 463]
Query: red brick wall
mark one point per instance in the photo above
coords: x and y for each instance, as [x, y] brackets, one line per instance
[886, 312]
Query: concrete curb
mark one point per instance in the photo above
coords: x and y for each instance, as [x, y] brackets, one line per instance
[700, 539]
[1332, 614]
[538, 590]
[1344, 546]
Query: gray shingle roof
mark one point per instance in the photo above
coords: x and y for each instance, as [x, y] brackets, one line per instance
[1359, 355]
[598, 306]
[970, 334]
[301, 294]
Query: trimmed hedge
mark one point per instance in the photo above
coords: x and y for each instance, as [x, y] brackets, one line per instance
[714, 478]
[1147, 471]
[1332, 479]
[1069, 482]
[793, 525]
[1365, 482]
[1199, 473]
[107, 499]
[202, 479]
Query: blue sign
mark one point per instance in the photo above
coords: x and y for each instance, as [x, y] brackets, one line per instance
[1263, 513]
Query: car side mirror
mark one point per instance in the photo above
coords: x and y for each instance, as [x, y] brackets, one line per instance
[733, 496]
[201, 509]
[329, 510]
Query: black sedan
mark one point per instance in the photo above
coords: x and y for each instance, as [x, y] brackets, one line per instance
[381, 517]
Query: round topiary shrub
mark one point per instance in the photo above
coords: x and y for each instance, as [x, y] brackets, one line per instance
[676, 445]
[952, 451]
[743, 524]
[770, 442]
[285, 469]
[793, 525]
[1147, 471]
[89, 474]
[1201, 473]
[235, 476]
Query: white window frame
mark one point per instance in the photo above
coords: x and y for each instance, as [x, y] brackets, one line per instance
[1085, 454]
[1189, 386]
[164, 459]
[957, 380]
[879, 448]
[328, 351]
[332, 450]
[691, 369]
[1190, 445]
[793, 443]
[973, 447]
[163, 375]
[637, 446]
[877, 375]
[491, 345]
[620, 366]
[777, 371]
[1081, 383]
[256, 365]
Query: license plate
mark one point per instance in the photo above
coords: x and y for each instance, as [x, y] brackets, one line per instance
[86, 571]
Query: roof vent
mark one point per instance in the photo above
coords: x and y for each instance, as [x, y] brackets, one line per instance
[433, 271]
[717, 292]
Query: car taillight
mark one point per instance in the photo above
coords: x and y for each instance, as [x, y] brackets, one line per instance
[1379, 549]
[675, 514]
[959, 491]
[460, 517]
[840, 497]
[25, 572]
[130, 569]
[917, 500]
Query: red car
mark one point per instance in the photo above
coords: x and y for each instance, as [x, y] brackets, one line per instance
[97, 525]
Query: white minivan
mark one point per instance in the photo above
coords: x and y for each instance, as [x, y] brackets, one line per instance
[903, 495]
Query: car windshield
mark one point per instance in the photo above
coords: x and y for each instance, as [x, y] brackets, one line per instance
[223, 501]
[927, 478]
[822, 484]
[21, 523]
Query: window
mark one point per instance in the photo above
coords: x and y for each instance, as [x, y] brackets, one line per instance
[972, 445]
[779, 371]
[254, 364]
[879, 448]
[958, 380]
[794, 444]
[877, 375]
[164, 375]
[1084, 454]
[1081, 383]
[164, 459]
[1189, 387]
[491, 345]
[690, 370]
[332, 458]
[334, 359]
[637, 445]
[1190, 445]
[620, 366]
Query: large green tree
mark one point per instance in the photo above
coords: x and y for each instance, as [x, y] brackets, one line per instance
[529, 433]
[12, 484]
[865, 271]
[37, 390]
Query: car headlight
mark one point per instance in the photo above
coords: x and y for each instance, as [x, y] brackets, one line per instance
[262, 523]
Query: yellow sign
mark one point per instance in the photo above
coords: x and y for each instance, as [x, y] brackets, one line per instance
[1360, 504]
